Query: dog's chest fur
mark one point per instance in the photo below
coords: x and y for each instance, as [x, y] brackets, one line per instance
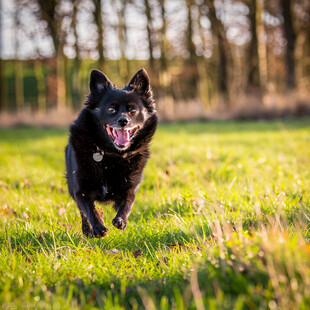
[112, 177]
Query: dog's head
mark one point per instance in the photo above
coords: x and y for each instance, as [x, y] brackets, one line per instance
[122, 112]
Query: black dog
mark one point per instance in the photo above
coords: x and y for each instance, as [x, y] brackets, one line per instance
[109, 147]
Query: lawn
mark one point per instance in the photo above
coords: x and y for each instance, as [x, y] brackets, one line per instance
[221, 221]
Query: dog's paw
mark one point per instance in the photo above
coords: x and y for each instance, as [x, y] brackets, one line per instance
[86, 228]
[99, 231]
[119, 223]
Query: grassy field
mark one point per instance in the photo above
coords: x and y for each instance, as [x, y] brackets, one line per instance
[221, 221]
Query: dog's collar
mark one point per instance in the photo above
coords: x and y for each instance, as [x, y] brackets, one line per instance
[99, 154]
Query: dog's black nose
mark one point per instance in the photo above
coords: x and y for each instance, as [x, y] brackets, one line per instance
[123, 121]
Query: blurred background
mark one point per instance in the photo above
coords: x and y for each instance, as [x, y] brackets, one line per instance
[206, 59]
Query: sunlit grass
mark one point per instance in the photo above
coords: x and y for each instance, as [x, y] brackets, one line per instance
[221, 221]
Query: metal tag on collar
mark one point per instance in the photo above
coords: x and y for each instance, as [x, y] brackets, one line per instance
[98, 155]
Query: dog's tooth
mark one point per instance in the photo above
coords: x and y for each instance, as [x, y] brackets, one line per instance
[127, 134]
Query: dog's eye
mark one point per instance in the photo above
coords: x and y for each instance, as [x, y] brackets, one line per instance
[111, 110]
[132, 110]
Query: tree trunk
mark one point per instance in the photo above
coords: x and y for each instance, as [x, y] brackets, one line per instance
[204, 84]
[76, 89]
[18, 64]
[189, 34]
[41, 85]
[99, 22]
[262, 48]
[224, 54]
[290, 47]
[48, 12]
[252, 63]
[19, 84]
[149, 28]
[4, 100]
[302, 52]
[61, 80]
[123, 63]
[163, 37]
[54, 21]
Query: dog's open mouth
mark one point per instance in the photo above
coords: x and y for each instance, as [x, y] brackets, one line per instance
[121, 137]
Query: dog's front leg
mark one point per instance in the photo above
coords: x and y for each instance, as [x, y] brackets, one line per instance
[123, 208]
[90, 217]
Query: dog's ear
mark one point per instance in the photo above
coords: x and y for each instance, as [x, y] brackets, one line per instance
[98, 85]
[140, 83]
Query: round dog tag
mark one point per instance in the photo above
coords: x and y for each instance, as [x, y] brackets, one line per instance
[97, 157]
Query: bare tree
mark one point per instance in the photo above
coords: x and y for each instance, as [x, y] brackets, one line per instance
[124, 65]
[77, 60]
[3, 86]
[290, 39]
[301, 11]
[266, 46]
[252, 53]
[224, 53]
[163, 36]
[189, 33]
[150, 31]
[261, 45]
[19, 79]
[99, 22]
[51, 13]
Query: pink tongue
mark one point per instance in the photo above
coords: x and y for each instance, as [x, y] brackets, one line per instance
[121, 136]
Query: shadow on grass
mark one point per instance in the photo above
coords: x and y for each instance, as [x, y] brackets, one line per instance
[215, 278]
[53, 241]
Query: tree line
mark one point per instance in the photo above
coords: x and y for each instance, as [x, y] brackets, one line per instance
[211, 51]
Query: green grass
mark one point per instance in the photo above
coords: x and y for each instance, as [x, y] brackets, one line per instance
[221, 219]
